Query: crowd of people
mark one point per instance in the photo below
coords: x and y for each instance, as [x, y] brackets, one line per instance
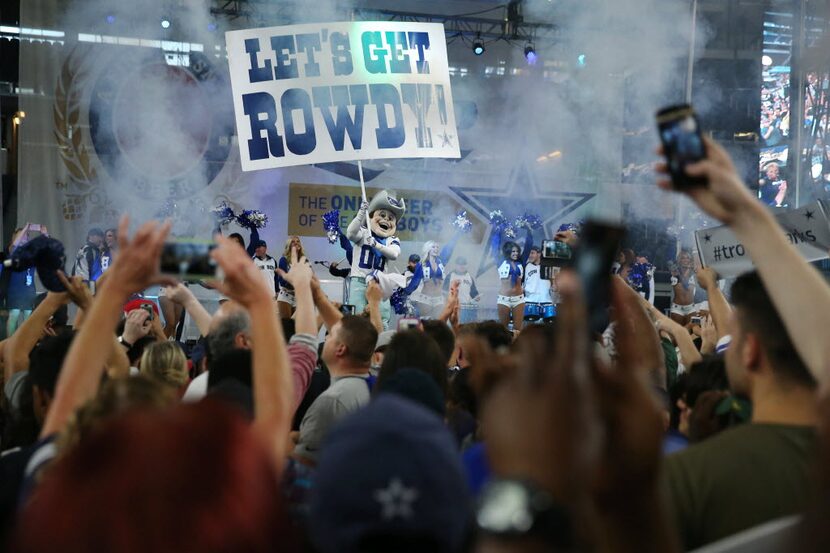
[291, 425]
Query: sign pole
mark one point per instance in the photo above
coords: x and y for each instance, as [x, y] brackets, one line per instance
[363, 188]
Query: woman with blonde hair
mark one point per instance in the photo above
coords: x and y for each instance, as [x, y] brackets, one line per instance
[285, 300]
[166, 362]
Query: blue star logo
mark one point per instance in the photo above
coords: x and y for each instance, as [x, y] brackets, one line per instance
[446, 139]
[523, 194]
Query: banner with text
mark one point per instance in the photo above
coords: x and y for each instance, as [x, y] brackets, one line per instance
[807, 228]
[429, 213]
[318, 93]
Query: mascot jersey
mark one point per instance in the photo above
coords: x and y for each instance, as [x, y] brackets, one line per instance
[370, 258]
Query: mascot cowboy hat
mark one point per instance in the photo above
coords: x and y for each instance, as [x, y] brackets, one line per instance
[388, 200]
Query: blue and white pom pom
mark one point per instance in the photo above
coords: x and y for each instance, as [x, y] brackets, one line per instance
[223, 214]
[331, 224]
[529, 221]
[533, 221]
[639, 275]
[462, 222]
[398, 301]
[509, 232]
[252, 218]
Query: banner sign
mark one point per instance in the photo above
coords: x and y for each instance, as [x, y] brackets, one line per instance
[808, 229]
[317, 93]
[429, 213]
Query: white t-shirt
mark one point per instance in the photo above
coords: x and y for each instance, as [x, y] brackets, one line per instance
[466, 291]
[267, 266]
[537, 289]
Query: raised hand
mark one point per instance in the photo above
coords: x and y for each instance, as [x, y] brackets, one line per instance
[243, 282]
[76, 290]
[300, 273]
[706, 277]
[137, 265]
[137, 326]
[374, 294]
[179, 294]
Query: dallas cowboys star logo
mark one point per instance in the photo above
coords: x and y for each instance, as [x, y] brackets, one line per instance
[707, 237]
[446, 139]
[809, 214]
[523, 194]
[396, 500]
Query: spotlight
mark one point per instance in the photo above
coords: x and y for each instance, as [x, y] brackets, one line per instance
[530, 53]
[766, 60]
[110, 19]
[165, 23]
[478, 46]
[580, 60]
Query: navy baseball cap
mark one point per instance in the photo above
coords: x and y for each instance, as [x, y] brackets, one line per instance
[389, 475]
[261, 244]
[414, 258]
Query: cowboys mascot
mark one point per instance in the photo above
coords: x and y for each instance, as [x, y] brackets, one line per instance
[373, 246]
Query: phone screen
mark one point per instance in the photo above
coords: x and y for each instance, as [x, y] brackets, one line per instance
[189, 261]
[347, 309]
[408, 322]
[554, 249]
[598, 245]
[682, 143]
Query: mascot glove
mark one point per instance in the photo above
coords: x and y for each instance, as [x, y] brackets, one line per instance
[370, 241]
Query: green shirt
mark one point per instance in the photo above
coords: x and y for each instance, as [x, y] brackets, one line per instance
[738, 479]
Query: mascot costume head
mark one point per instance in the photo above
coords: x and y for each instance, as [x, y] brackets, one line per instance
[385, 211]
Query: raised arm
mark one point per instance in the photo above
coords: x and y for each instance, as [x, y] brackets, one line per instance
[183, 296]
[373, 297]
[21, 343]
[527, 246]
[727, 199]
[272, 380]
[417, 277]
[347, 246]
[719, 308]
[135, 269]
[329, 313]
[449, 247]
[355, 229]
[300, 276]
[251, 249]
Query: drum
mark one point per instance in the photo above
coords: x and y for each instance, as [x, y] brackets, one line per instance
[533, 311]
[548, 311]
[468, 313]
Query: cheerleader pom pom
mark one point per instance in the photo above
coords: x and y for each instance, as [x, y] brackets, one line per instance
[398, 301]
[462, 222]
[252, 218]
[331, 224]
[223, 214]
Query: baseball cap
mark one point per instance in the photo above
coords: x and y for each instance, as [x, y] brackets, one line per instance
[261, 244]
[389, 475]
[137, 303]
[414, 258]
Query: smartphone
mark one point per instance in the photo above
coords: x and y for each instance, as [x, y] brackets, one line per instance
[696, 320]
[347, 309]
[406, 323]
[188, 260]
[149, 310]
[682, 143]
[598, 246]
